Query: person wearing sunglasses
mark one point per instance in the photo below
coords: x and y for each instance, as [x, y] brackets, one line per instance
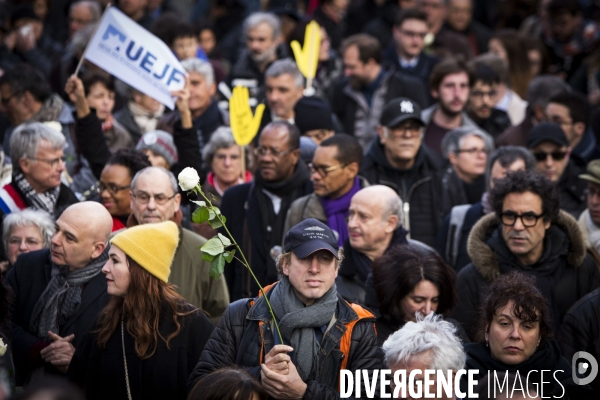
[550, 147]
[528, 233]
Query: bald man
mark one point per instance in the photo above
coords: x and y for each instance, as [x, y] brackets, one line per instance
[374, 224]
[59, 292]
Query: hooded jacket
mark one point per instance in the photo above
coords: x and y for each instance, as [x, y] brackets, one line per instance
[428, 190]
[564, 273]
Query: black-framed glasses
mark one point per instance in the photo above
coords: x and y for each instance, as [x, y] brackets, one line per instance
[144, 198]
[323, 171]
[263, 151]
[111, 187]
[528, 219]
[556, 155]
[52, 163]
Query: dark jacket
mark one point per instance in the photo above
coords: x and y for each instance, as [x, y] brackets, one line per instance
[125, 118]
[28, 279]
[580, 330]
[101, 372]
[564, 273]
[497, 123]
[572, 189]
[349, 105]
[421, 71]
[429, 189]
[547, 357]
[386, 327]
[237, 340]
[477, 34]
[240, 206]
[517, 135]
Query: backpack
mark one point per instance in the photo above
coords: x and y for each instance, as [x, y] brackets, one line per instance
[457, 220]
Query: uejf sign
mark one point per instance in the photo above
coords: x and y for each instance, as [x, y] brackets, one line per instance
[132, 54]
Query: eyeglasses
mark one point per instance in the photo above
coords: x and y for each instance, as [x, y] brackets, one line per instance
[263, 151]
[592, 193]
[558, 121]
[16, 241]
[528, 219]
[323, 171]
[480, 94]
[556, 155]
[473, 150]
[411, 34]
[52, 163]
[144, 198]
[402, 130]
[112, 188]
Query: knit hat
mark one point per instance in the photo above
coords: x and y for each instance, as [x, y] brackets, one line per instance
[161, 143]
[152, 246]
[311, 113]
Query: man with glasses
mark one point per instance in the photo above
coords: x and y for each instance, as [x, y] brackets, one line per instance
[37, 162]
[399, 159]
[155, 198]
[256, 211]
[334, 173]
[550, 147]
[527, 232]
[589, 221]
[406, 50]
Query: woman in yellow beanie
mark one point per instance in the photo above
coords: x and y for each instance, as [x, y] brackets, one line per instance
[148, 338]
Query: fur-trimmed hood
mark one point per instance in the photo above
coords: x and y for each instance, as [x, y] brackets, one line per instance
[485, 259]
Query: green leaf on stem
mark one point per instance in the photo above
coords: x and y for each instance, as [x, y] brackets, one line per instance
[215, 223]
[207, 257]
[229, 255]
[211, 214]
[226, 242]
[213, 247]
[217, 266]
[201, 215]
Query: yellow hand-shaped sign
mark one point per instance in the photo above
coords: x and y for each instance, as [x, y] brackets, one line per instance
[244, 126]
[307, 57]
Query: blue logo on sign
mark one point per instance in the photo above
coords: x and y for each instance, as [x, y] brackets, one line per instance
[113, 37]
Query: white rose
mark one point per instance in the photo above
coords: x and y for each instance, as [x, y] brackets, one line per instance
[188, 179]
[2, 347]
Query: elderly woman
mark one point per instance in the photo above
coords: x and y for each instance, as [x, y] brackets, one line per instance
[224, 158]
[25, 231]
[514, 335]
[467, 150]
[148, 338]
[411, 279]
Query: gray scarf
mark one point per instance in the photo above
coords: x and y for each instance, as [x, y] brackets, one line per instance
[297, 322]
[41, 201]
[62, 296]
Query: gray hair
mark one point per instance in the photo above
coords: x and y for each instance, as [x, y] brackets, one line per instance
[542, 88]
[92, 6]
[28, 217]
[453, 139]
[202, 67]
[430, 333]
[285, 66]
[146, 170]
[260, 17]
[25, 141]
[393, 206]
[221, 138]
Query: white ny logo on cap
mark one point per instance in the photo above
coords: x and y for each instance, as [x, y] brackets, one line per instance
[406, 107]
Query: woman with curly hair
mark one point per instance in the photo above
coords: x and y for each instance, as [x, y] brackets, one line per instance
[148, 338]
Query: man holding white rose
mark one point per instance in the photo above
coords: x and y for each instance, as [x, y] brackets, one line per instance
[155, 198]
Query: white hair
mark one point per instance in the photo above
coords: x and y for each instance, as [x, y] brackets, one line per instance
[431, 333]
[286, 66]
[201, 67]
[29, 217]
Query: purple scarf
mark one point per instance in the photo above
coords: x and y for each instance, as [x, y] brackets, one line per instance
[337, 212]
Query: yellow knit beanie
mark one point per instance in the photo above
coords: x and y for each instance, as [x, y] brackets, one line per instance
[152, 246]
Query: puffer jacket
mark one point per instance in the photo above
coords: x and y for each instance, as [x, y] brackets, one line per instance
[428, 190]
[237, 340]
[564, 273]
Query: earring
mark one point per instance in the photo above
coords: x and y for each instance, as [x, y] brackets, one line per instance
[487, 344]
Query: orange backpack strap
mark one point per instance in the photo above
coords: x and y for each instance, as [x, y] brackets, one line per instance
[261, 323]
[347, 336]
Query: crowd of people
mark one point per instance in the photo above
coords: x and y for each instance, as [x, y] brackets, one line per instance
[430, 200]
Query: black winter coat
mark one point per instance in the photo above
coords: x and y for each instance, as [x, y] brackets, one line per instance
[101, 372]
[572, 189]
[580, 330]
[28, 279]
[237, 340]
[564, 273]
[240, 206]
[429, 189]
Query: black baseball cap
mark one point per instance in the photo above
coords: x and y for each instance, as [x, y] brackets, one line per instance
[546, 132]
[399, 110]
[309, 236]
